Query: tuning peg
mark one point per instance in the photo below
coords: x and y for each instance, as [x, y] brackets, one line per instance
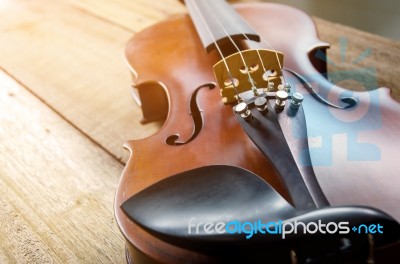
[281, 97]
[243, 111]
[297, 99]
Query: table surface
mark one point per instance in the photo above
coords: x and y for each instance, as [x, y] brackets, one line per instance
[65, 112]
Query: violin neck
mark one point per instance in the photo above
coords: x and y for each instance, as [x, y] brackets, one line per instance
[217, 22]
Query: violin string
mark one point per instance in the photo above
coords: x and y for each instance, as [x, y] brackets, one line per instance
[268, 44]
[263, 40]
[276, 54]
[241, 31]
[195, 5]
[237, 48]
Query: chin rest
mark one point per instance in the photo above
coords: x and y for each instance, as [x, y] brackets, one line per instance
[184, 202]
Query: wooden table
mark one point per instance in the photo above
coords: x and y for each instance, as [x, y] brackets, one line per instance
[65, 111]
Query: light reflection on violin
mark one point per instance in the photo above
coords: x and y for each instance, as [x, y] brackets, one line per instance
[241, 94]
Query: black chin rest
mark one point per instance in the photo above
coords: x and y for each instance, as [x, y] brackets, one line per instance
[173, 207]
[208, 194]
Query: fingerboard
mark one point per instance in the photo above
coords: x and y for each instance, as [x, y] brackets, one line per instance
[215, 20]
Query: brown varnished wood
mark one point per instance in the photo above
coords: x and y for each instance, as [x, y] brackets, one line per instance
[72, 222]
[182, 65]
[178, 65]
[180, 87]
[371, 183]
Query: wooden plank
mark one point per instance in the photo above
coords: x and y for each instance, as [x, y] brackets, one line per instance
[134, 15]
[70, 54]
[74, 62]
[381, 54]
[56, 187]
[384, 54]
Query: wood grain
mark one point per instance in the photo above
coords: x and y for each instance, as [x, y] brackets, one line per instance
[131, 15]
[66, 110]
[74, 62]
[56, 187]
[382, 54]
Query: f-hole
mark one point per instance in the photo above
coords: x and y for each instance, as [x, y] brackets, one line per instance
[195, 112]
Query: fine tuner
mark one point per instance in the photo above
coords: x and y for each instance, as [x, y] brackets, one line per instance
[261, 103]
[281, 97]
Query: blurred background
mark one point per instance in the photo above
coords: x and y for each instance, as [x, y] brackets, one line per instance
[378, 17]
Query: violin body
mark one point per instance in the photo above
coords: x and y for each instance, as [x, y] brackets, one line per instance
[174, 77]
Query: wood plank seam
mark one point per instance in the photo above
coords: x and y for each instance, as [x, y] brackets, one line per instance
[119, 25]
[55, 202]
[63, 116]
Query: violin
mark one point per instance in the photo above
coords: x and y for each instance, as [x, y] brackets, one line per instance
[252, 131]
